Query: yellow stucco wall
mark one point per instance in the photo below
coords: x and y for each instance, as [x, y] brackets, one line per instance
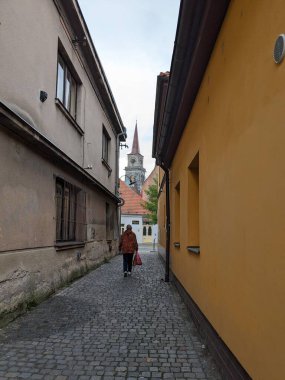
[238, 127]
[161, 212]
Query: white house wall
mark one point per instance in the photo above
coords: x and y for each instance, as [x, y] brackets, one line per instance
[137, 228]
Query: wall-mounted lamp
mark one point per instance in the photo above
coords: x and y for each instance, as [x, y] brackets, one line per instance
[88, 167]
[123, 146]
[43, 96]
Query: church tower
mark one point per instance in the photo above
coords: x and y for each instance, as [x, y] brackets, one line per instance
[135, 172]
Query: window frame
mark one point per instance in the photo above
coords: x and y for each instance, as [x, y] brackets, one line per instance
[177, 212]
[70, 212]
[67, 72]
[105, 144]
[193, 205]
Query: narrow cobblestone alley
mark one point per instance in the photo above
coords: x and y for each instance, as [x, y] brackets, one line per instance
[105, 326]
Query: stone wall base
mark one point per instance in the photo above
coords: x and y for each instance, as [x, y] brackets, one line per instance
[28, 277]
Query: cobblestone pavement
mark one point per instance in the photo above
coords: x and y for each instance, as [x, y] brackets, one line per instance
[105, 326]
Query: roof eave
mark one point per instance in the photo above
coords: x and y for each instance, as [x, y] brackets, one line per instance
[161, 87]
[10, 121]
[198, 26]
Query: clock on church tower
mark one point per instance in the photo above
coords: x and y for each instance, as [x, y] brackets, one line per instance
[135, 172]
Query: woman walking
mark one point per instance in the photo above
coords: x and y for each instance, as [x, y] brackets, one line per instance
[128, 246]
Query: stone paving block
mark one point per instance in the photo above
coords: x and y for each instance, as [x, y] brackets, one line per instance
[105, 326]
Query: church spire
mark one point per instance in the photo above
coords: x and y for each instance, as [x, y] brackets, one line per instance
[135, 172]
[136, 147]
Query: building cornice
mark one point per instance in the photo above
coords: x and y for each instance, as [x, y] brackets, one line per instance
[44, 147]
[161, 90]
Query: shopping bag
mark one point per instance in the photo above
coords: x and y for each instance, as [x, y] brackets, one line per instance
[137, 259]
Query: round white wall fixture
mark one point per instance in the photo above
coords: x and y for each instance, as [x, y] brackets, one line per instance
[279, 48]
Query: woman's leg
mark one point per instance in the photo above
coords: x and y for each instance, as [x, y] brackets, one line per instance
[130, 261]
[125, 262]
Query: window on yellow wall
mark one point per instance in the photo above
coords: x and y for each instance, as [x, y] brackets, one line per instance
[193, 206]
[177, 216]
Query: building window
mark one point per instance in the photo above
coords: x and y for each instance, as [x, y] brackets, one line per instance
[177, 213]
[149, 231]
[193, 202]
[66, 89]
[70, 212]
[144, 231]
[105, 145]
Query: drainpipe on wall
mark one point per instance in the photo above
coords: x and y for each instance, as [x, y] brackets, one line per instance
[117, 159]
[167, 248]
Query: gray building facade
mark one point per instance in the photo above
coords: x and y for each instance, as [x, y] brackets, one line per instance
[60, 131]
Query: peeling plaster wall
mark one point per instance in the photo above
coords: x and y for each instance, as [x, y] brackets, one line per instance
[33, 274]
[30, 265]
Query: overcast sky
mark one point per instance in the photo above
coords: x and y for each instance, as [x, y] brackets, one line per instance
[134, 40]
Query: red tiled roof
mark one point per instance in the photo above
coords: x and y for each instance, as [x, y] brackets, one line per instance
[132, 200]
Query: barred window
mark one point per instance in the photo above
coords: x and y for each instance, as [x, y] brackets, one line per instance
[70, 212]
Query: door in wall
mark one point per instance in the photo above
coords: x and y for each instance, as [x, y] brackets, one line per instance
[136, 225]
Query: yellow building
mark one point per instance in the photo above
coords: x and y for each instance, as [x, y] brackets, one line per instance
[219, 136]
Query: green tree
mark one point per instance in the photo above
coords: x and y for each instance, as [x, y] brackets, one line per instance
[151, 203]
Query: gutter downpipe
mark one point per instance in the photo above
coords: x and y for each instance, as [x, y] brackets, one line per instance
[117, 160]
[167, 251]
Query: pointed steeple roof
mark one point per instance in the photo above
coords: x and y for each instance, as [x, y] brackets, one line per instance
[136, 146]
